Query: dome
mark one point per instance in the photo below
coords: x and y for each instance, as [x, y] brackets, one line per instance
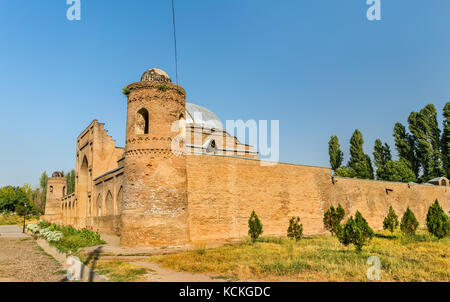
[155, 74]
[199, 115]
[57, 174]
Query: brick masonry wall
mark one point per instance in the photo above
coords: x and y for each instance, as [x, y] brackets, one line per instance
[222, 192]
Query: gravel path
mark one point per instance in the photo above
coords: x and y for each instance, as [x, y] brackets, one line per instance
[22, 260]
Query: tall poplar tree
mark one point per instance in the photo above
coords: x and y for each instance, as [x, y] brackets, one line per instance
[424, 127]
[336, 155]
[43, 184]
[381, 156]
[445, 141]
[406, 149]
[359, 161]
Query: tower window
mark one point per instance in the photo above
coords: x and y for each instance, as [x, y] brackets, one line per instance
[142, 121]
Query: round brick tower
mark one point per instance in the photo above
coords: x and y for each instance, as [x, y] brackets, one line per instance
[56, 189]
[154, 206]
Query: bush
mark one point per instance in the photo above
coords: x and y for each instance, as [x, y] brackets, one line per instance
[295, 229]
[356, 231]
[409, 223]
[391, 220]
[438, 222]
[255, 227]
[126, 90]
[332, 219]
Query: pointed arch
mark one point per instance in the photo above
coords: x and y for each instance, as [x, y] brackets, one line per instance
[119, 200]
[109, 205]
[141, 125]
[98, 206]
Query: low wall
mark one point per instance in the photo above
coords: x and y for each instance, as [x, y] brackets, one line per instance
[223, 191]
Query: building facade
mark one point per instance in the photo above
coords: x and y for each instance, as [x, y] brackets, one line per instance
[182, 179]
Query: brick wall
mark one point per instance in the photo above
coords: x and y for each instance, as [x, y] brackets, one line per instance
[222, 192]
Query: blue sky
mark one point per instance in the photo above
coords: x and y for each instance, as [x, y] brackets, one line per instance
[318, 66]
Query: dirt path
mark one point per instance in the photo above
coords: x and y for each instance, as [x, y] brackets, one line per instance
[22, 260]
[160, 274]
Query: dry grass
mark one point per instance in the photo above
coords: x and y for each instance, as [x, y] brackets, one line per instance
[119, 271]
[321, 259]
[15, 220]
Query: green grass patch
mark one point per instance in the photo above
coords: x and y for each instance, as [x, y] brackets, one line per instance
[323, 258]
[73, 238]
[118, 271]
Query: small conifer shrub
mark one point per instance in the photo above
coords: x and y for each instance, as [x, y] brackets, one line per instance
[332, 219]
[409, 223]
[356, 231]
[391, 220]
[255, 227]
[438, 222]
[295, 229]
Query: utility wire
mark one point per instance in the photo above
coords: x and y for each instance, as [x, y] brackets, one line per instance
[175, 40]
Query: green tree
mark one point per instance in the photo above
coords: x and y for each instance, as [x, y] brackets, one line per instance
[398, 170]
[332, 219]
[11, 198]
[438, 222]
[356, 231]
[359, 161]
[391, 220]
[424, 127]
[406, 148]
[255, 227]
[381, 155]
[445, 141]
[409, 223]
[43, 183]
[345, 172]
[70, 180]
[295, 229]
[336, 155]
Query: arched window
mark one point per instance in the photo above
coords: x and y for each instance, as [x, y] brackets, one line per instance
[109, 205]
[98, 206]
[211, 147]
[119, 199]
[51, 189]
[142, 121]
[64, 191]
[443, 183]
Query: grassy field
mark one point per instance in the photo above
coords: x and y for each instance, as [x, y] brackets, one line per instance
[13, 220]
[422, 258]
[119, 271]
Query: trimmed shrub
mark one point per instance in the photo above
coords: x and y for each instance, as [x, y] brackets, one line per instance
[295, 229]
[391, 220]
[438, 222]
[356, 231]
[332, 219]
[409, 223]
[255, 227]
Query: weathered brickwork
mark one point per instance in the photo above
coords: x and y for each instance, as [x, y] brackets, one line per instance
[223, 191]
[154, 207]
[150, 196]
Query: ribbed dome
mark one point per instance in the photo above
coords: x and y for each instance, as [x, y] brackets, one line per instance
[202, 116]
[155, 74]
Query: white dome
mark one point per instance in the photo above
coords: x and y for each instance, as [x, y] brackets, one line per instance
[199, 115]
